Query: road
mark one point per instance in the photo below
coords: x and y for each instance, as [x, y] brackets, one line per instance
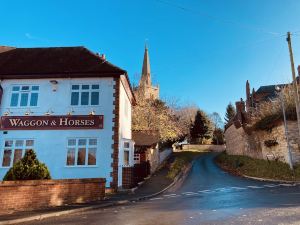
[208, 196]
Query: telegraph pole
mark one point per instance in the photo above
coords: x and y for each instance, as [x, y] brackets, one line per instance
[296, 93]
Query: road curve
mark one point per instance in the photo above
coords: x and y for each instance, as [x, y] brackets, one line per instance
[208, 196]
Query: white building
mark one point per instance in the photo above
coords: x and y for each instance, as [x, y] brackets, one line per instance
[71, 106]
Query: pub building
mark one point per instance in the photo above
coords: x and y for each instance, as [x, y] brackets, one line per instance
[72, 107]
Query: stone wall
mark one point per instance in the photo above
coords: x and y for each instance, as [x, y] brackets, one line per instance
[215, 148]
[239, 142]
[38, 194]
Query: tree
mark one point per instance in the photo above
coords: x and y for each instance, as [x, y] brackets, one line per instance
[217, 120]
[202, 127]
[154, 114]
[230, 112]
[218, 137]
[28, 168]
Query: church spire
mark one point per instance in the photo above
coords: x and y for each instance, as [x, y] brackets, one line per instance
[146, 74]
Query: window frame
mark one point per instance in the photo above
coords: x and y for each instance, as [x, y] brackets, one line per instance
[126, 149]
[13, 149]
[80, 91]
[20, 91]
[77, 146]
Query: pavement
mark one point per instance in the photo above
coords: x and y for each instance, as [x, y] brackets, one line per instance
[152, 186]
[208, 196]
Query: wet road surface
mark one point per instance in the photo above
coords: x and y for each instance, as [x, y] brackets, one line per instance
[208, 196]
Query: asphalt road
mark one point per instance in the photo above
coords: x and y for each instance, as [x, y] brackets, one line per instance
[208, 196]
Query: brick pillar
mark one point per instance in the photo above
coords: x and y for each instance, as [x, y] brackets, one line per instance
[128, 180]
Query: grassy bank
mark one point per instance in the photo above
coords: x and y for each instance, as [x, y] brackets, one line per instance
[243, 165]
[181, 160]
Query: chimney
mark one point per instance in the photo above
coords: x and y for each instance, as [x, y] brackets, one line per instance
[103, 57]
[240, 106]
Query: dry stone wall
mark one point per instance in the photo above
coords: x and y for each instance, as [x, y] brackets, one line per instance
[238, 142]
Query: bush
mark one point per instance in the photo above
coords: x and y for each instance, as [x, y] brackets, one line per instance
[28, 168]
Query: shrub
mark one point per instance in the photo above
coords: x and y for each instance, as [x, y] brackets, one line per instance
[28, 168]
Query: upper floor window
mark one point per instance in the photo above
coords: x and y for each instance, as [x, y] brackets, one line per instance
[85, 94]
[24, 95]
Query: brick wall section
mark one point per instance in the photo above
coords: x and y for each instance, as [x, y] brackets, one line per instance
[115, 137]
[37, 194]
[128, 180]
[238, 142]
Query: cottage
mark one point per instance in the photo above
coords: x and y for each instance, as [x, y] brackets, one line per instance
[71, 106]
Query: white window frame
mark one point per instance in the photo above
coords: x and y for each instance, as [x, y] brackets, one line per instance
[80, 90]
[127, 149]
[77, 146]
[20, 91]
[14, 147]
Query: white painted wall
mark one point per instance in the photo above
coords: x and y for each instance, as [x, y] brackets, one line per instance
[50, 145]
[124, 130]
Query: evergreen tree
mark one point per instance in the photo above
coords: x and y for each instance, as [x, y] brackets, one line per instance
[202, 127]
[230, 112]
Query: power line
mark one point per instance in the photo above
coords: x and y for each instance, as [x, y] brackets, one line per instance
[218, 19]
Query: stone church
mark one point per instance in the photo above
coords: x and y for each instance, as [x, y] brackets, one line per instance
[145, 88]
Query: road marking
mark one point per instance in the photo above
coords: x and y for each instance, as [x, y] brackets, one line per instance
[174, 196]
[189, 192]
[169, 195]
[271, 185]
[254, 187]
[288, 185]
[152, 199]
[239, 188]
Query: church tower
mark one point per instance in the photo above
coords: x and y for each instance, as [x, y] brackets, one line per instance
[145, 88]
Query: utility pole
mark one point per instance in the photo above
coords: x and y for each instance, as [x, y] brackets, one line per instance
[296, 93]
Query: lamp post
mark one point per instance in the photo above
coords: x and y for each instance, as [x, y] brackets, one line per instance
[278, 89]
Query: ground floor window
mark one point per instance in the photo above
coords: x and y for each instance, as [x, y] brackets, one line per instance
[126, 147]
[14, 150]
[82, 152]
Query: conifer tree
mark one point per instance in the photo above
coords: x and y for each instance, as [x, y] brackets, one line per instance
[202, 127]
[230, 112]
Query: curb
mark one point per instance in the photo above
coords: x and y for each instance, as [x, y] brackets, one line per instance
[271, 180]
[179, 177]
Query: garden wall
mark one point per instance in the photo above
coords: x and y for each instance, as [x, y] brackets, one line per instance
[37, 194]
[238, 142]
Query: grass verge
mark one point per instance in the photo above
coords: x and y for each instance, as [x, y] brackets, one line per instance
[181, 161]
[244, 165]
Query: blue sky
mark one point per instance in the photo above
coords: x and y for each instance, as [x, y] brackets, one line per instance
[201, 51]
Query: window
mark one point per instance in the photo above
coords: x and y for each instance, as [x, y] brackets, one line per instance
[85, 95]
[24, 95]
[14, 150]
[137, 158]
[126, 146]
[81, 152]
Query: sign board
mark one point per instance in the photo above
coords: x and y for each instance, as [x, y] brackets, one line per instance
[52, 122]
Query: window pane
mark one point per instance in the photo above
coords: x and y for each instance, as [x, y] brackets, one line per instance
[81, 156]
[85, 87]
[71, 142]
[16, 88]
[24, 99]
[6, 157]
[82, 142]
[92, 141]
[14, 99]
[92, 156]
[95, 98]
[75, 98]
[35, 88]
[17, 155]
[8, 143]
[29, 142]
[71, 157]
[34, 99]
[25, 88]
[126, 145]
[126, 158]
[75, 87]
[95, 86]
[19, 143]
[84, 98]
